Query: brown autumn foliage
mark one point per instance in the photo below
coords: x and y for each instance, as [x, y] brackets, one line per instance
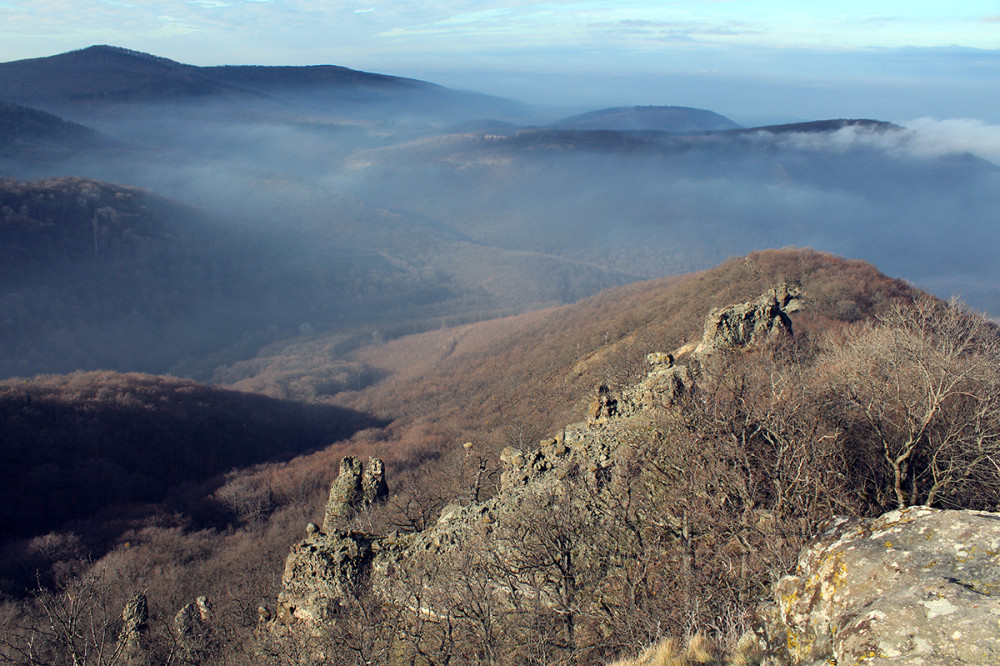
[775, 456]
[74, 444]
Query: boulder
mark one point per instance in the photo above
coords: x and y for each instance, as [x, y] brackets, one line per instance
[914, 586]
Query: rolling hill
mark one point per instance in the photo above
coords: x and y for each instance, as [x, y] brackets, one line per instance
[654, 203]
[106, 77]
[78, 444]
[658, 118]
[96, 275]
[27, 133]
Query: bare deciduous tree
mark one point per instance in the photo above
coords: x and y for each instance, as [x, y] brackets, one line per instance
[920, 389]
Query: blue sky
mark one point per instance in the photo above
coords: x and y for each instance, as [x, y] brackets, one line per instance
[746, 58]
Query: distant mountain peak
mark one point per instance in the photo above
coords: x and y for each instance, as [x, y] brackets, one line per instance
[103, 75]
[656, 118]
[107, 49]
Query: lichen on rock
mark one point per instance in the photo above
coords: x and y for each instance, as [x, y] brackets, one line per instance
[917, 585]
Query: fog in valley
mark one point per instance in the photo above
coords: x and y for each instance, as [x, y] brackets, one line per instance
[313, 365]
[309, 211]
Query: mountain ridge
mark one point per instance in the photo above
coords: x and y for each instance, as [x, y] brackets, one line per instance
[105, 75]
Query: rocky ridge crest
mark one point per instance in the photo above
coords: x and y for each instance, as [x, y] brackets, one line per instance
[571, 472]
[914, 586]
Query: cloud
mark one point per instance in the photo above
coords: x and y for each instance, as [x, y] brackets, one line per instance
[924, 137]
[957, 135]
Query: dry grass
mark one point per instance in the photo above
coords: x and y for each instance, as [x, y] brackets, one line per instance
[698, 650]
[669, 652]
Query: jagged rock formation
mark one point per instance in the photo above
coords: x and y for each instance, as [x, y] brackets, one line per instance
[604, 406]
[135, 618]
[345, 493]
[354, 488]
[320, 573]
[662, 385]
[193, 627]
[574, 473]
[749, 323]
[914, 586]
[373, 486]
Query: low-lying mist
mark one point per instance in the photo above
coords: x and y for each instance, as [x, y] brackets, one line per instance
[425, 222]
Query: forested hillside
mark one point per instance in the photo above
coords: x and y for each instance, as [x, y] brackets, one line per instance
[509, 383]
[77, 444]
[31, 134]
[225, 280]
[96, 275]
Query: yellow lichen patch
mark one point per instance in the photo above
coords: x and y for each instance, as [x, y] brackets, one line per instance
[799, 646]
[867, 657]
[966, 553]
[835, 578]
[787, 601]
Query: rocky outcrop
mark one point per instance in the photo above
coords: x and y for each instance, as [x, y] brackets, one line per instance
[373, 486]
[193, 627]
[574, 472]
[661, 387]
[915, 586]
[750, 323]
[135, 621]
[604, 406]
[321, 572]
[355, 488]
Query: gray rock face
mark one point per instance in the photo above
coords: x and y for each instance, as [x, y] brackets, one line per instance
[194, 631]
[604, 406]
[135, 619]
[751, 322]
[320, 573]
[373, 486]
[662, 385]
[345, 493]
[915, 586]
[354, 488]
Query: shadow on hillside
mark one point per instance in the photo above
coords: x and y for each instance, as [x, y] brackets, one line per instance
[80, 444]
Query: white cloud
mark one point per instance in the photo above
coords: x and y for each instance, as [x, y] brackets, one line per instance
[957, 135]
[924, 137]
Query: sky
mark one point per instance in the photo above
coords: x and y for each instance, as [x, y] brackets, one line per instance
[748, 59]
